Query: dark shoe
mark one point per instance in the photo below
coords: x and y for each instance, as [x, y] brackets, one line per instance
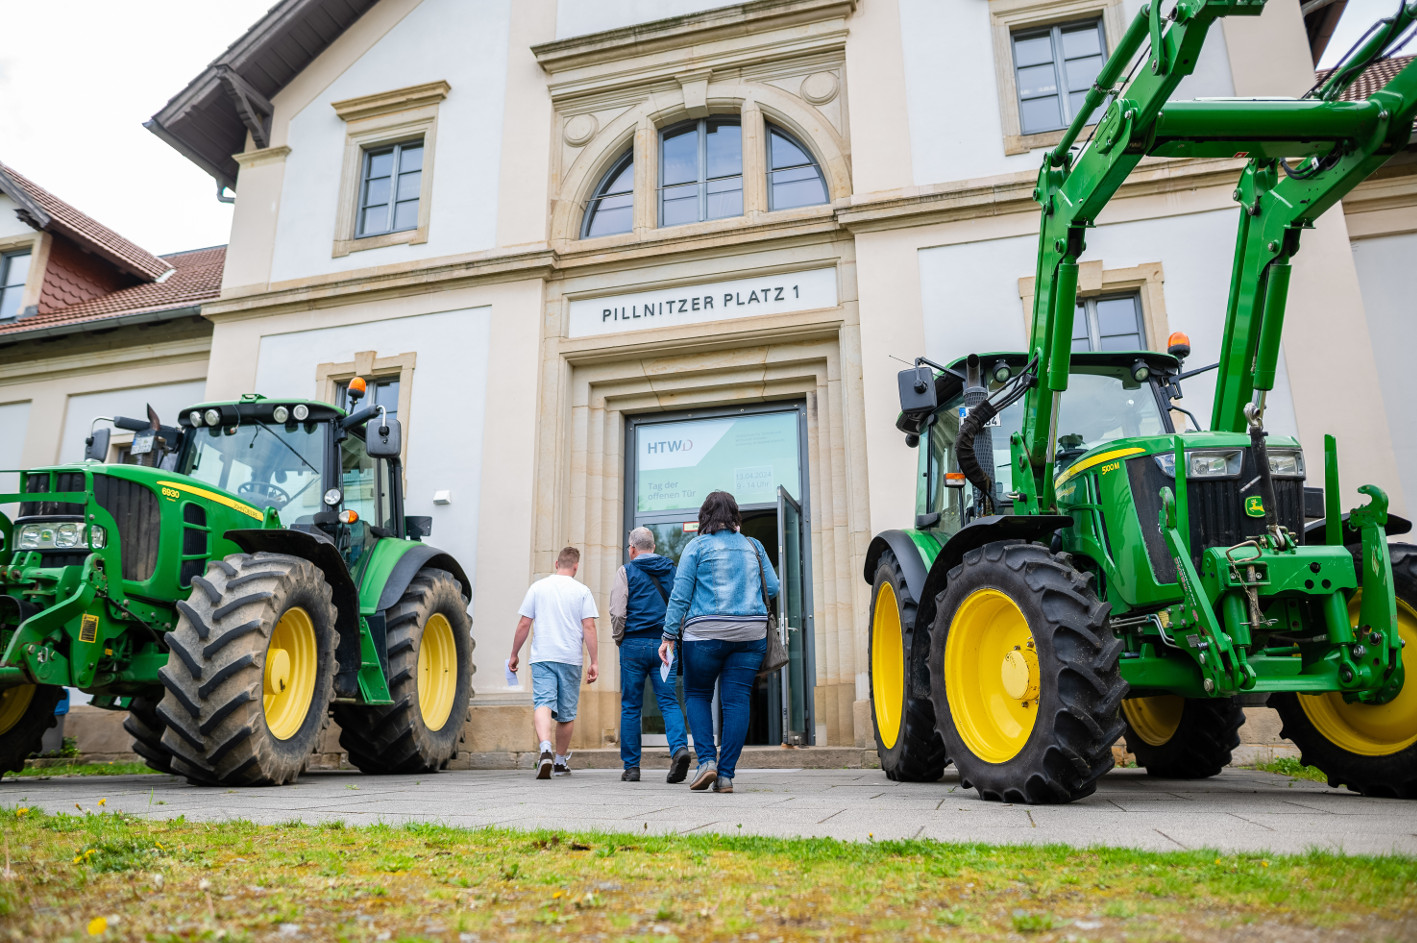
[563, 769]
[678, 766]
[631, 775]
[723, 784]
[705, 776]
[543, 765]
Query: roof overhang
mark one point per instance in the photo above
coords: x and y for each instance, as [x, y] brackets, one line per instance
[207, 122]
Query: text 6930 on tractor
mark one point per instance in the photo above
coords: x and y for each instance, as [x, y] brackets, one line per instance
[1081, 568]
[255, 575]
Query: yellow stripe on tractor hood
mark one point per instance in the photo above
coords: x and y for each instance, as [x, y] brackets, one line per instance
[1079, 467]
[221, 499]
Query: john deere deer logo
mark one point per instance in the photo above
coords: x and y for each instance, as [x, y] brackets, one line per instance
[1254, 506]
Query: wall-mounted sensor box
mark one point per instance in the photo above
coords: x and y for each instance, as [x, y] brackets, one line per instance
[442, 497]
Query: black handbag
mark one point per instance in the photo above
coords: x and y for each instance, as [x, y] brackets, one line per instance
[776, 655]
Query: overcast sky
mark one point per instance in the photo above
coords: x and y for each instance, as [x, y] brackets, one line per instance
[79, 77]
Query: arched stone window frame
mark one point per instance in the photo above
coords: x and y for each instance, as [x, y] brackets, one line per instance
[639, 128]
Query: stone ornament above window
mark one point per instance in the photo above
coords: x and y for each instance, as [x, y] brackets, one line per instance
[622, 97]
[820, 87]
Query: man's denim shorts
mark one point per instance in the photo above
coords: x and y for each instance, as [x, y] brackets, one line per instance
[556, 685]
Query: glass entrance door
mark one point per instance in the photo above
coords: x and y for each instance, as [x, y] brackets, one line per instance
[757, 454]
[794, 622]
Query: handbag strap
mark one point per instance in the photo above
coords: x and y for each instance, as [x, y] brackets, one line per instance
[762, 577]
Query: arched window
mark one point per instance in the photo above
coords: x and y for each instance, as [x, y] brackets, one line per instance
[793, 177]
[700, 171]
[611, 209]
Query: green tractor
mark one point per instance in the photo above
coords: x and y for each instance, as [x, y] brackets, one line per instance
[255, 575]
[1134, 578]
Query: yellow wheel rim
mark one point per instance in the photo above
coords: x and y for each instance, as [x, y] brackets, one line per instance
[991, 676]
[887, 666]
[13, 704]
[1154, 719]
[291, 661]
[437, 671]
[1370, 729]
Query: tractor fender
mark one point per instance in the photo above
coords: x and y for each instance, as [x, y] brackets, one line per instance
[323, 553]
[418, 556]
[975, 534]
[912, 564]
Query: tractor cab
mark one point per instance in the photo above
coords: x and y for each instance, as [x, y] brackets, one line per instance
[1111, 396]
[334, 475]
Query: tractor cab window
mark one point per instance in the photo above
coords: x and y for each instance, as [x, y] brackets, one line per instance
[941, 458]
[365, 483]
[1103, 404]
[270, 466]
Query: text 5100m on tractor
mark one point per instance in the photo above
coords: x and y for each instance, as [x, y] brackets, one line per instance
[254, 576]
[1137, 578]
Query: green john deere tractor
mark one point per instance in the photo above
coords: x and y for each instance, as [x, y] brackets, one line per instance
[1135, 578]
[255, 575]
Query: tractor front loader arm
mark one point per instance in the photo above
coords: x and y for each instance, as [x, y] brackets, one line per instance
[1073, 188]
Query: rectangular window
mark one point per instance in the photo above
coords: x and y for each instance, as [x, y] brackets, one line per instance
[701, 171]
[1109, 323]
[14, 270]
[389, 188]
[1054, 66]
[382, 391]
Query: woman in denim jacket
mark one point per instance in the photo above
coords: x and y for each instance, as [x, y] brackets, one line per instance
[717, 608]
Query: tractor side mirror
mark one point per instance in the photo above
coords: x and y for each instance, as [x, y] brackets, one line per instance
[917, 390]
[383, 437]
[96, 445]
[416, 527]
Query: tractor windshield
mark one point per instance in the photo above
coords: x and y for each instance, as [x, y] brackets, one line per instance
[271, 466]
[1101, 405]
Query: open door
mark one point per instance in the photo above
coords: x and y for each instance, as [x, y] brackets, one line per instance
[794, 620]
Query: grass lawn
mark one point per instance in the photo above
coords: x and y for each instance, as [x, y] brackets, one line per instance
[1289, 766]
[34, 771]
[90, 874]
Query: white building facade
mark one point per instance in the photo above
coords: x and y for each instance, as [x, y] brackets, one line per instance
[570, 237]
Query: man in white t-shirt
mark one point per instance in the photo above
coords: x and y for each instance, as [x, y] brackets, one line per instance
[563, 611]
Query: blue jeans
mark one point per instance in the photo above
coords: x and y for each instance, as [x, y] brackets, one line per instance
[734, 665]
[640, 657]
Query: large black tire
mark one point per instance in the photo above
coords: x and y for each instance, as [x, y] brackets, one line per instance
[26, 712]
[145, 726]
[1324, 728]
[250, 675]
[1024, 675]
[401, 737]
[906, 740]
[1176, 737]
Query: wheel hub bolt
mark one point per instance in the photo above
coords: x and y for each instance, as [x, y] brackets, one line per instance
[1359, 651]
[1375, 638]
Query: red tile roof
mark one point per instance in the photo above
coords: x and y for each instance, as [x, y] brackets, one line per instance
[83, 229]
[196, 277]
[1373, 78]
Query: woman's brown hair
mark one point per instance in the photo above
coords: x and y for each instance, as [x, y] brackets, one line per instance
[719, 512]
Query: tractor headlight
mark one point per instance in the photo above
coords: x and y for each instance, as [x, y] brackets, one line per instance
[301, 411]
[195, 417]
[66, 536]
[1286, 464]
[59, 535]
[1199, 464]
[213, 417]
[280, 414]
[1213, 464]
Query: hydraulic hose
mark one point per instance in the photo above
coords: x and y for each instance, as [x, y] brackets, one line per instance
[975, 421]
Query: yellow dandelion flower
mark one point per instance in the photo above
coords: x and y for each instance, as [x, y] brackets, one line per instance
[556, 895]
[21, 812]
[97, 925]
[103, 802]
[78, 858]
[1264, 864]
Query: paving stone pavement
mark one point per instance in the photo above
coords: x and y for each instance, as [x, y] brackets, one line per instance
[1237, 811]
